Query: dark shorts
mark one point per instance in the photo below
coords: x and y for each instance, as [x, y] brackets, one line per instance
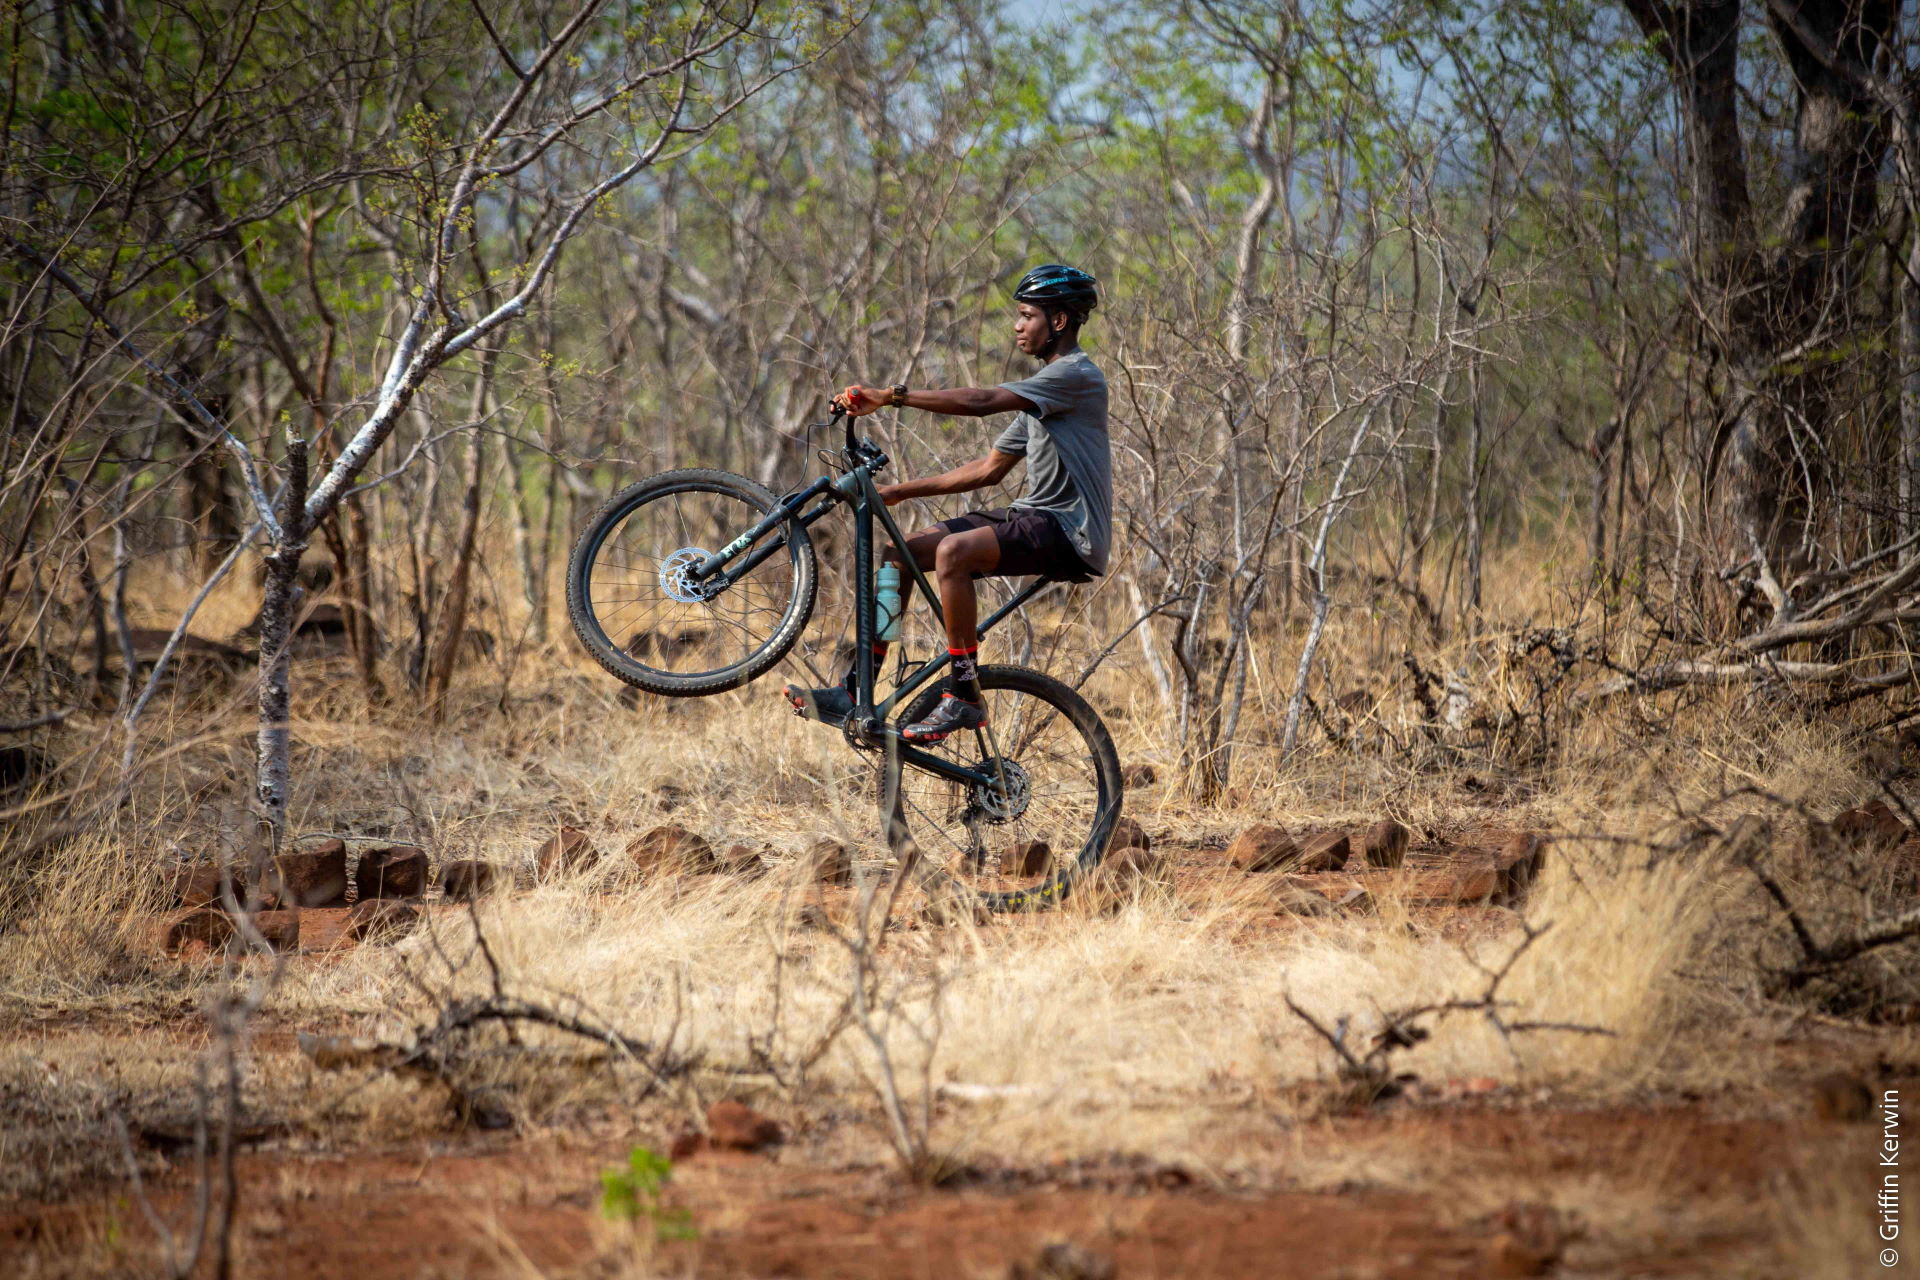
[1031, 543]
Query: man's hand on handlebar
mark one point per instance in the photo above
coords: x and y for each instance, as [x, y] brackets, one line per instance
[861, 401]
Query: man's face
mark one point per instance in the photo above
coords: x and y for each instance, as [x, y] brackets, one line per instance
[1032, 330]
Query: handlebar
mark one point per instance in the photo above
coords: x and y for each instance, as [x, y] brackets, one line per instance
[840, 411]
[857, 450]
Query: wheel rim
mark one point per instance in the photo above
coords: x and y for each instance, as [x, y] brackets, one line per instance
[985, 837]
[642, 598]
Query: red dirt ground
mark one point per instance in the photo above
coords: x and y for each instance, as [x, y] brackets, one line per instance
[490, 1207]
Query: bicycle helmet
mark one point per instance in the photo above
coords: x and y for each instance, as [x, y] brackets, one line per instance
[1057, 286]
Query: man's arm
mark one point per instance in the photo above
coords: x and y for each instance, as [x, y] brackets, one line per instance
[959, 402]
[965, 478]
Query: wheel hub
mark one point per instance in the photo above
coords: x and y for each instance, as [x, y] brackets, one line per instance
[1007, 798]
[677, 580]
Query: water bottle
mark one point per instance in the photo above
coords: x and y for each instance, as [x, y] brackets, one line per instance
[886, 612]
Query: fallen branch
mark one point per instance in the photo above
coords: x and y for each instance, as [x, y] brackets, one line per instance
[1673, 675]
[433, 1055]
[1373, 1073]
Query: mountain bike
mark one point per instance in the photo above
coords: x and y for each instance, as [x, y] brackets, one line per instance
[694, 582]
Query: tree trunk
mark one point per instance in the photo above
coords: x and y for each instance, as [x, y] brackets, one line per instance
[274, 740]
[1908, 476]
[453, 618]
[1476, 419]
[1776, 298]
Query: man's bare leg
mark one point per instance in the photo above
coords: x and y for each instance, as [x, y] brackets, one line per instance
[957, 558]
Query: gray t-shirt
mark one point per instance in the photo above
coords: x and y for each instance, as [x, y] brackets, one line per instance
[1065, 443]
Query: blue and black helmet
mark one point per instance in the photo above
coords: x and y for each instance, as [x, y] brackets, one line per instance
[1056, 285]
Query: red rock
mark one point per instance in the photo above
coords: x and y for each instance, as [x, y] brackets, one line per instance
[1128, 834]
[829, 862]
[197, 884]
[465, 880]
[686, 1144]
[211, 929]
[397, 871]
[1263, 847]
[671, 849]
[204, 929]
[1029, 858]
[743, 862]
[380, 920]
[1470, 883]
[1327, 851]
[568, 849]
[1313, 897]
[1465, 883]
[735, 1126]
[280, 929]
[1297, 900]
[324, 928]
[314, 875]
[1874, 827]
[1385, 844]
[1517, 866]
[1121, 875]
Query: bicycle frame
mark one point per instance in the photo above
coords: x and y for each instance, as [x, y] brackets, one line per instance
[855, 488]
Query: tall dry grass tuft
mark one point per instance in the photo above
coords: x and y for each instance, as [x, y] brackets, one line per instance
[77, 924]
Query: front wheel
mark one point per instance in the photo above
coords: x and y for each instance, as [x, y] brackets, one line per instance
[1045, 817]
[651, 622]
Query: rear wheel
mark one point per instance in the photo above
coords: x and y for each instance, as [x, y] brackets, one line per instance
[650, 622]
[1047, 816]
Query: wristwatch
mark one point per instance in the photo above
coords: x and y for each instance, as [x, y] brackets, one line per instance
[899, 395]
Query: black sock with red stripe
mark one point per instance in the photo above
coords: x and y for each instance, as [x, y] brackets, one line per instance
[964, 682]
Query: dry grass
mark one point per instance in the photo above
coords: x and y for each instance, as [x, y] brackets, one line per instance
[1825, 1219]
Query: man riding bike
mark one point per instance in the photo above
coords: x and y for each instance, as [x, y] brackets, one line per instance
[1061, 526]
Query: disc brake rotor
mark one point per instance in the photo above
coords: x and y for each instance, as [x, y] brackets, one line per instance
[676, 578]
[1008, 798]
